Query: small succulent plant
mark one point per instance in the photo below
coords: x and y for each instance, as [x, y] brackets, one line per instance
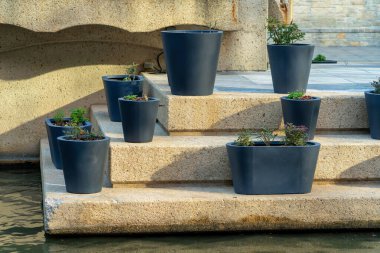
[78, 116]
[79, 134]
[136, 98]
[283, 34]
[59, 118]
[376, 84]
[298, 95]
[131, 72]
[295, 135]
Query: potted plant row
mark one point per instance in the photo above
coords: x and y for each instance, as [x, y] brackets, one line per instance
[301, 110]
[270, 166]
[117, 86]
[290, 62]
[372, 99]
[59, 124]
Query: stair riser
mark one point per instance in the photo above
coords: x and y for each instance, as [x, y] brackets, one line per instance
[159, 164]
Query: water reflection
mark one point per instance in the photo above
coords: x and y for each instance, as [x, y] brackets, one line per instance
[22, 231]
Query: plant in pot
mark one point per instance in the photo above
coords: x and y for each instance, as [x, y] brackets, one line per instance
[138, 117]
[191, 58]
[84, 156]
[372, 99]
[57, 125]
[301, 110]
[289, 62]
[117, 86]
[267, 166]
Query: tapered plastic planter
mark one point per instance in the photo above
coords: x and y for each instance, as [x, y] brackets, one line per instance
[273, 169]
[301, 113]
[54, 132]
[83, 164]
[290, 66]
[191, 60]
[373, 109]
[115, 88]
[138, 119]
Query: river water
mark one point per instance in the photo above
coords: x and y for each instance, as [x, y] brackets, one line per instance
[21, 230]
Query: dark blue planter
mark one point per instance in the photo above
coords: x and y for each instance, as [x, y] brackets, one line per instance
[191, 60]
[276, 169]
[373, 109]
[83, 164]
[138, 119]
[301, 113]
[115, 88]
[54, 132]
[290, 66]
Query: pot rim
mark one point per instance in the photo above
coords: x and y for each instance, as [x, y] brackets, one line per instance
[371, 92]
[63, 138]
[291, 45]
[48, 121]
[193, 31]
[111, 78]
[151, 99]
[301, 100]
[312, 144]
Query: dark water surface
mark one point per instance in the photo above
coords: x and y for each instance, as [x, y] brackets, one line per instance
[21, 230]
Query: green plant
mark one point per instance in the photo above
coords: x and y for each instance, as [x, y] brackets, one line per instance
[136, 98]
[320, 57]
[283, 34]
[78, 116]
[265, 135]
[376, 84]
[79, 134]
[244, 139]
[131, 72]
[295, 135]
[59, 118]
[298, 95]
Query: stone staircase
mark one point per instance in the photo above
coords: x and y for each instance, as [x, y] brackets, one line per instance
[181, 181]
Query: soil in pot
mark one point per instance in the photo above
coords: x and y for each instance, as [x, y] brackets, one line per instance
[191, 60]
[138, 117]
[116, 87]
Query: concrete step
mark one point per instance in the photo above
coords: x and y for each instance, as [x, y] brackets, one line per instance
[203, 208]
[203, 159]
[242, 101]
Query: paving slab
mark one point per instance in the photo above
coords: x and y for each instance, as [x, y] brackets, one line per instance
[203, 208]
[194, 159]
[244, 100]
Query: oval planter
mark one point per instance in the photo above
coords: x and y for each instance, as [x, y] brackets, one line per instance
[115, 88]
[83, 164]
[276, 169]
[301, 113]
[373, 109]
[138, 119]
[53, 133]
[290, 66]
[191, 60]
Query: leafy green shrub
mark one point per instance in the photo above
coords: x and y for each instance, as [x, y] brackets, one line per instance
[78, 116]
[244, 139]
[376, 84]
[320, 57]
[79, 134]
[265, 135]
[59, 118]
[295, 135]
[283, 34]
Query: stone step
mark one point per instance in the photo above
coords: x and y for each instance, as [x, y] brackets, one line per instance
[201, 159]
[203, 208]
[246, 101]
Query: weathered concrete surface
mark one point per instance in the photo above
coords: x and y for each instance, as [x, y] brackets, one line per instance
[171, 159]
[203, 208]
[242, 101]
